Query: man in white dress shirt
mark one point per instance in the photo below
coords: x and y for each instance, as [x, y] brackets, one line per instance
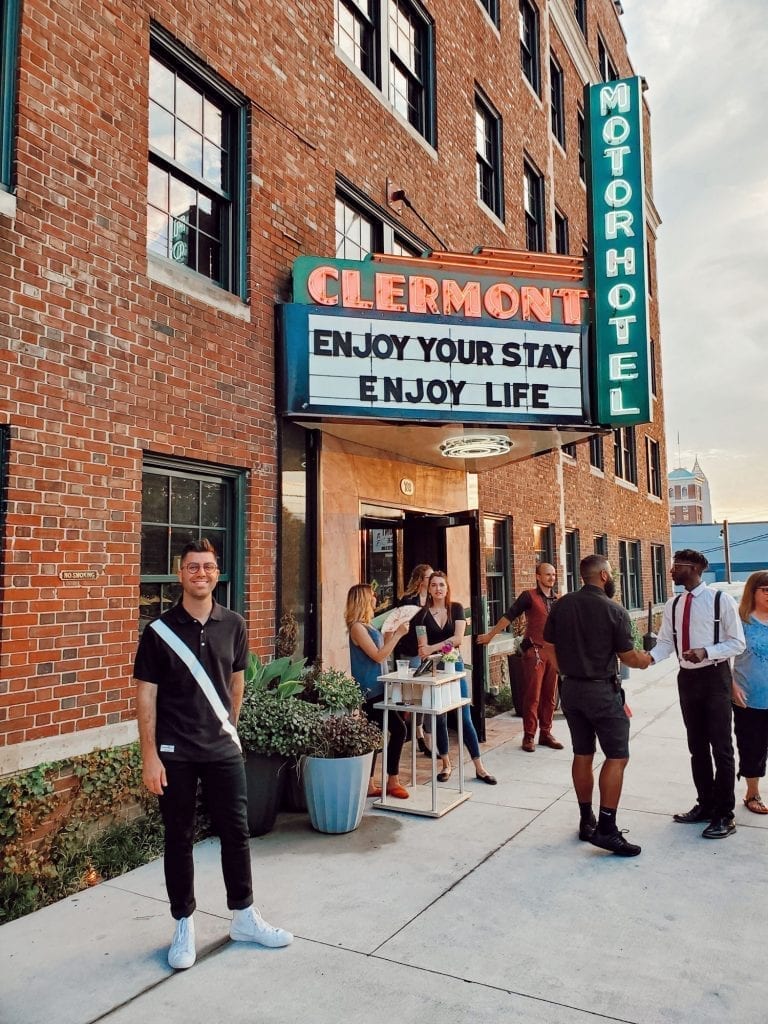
[702, 627]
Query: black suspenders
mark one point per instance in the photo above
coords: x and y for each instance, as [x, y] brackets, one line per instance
[718, 597]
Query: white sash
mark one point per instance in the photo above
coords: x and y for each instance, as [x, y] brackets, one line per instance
[199, 674]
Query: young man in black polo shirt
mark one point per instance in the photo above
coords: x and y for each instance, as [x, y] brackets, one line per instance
[587, 631]
[189, 674]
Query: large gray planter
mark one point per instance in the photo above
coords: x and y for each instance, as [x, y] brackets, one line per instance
[336, 788]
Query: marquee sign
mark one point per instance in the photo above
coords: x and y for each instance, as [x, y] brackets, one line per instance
[416, 339]
[337, 364]
[618, 247]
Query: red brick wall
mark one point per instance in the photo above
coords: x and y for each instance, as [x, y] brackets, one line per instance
[101, 364]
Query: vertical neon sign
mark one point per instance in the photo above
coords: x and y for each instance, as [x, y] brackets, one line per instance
[618, 249]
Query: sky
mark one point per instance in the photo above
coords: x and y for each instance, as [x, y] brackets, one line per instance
[705, 64]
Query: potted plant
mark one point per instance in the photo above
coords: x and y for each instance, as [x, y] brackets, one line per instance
[337, 770]
[339, 755]
[274, 728]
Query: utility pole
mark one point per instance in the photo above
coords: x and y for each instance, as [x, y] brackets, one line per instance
[726, 551]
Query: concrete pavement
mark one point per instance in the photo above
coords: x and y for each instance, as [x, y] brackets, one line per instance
[495, 912]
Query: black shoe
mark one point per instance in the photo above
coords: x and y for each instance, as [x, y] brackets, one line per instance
[719, 828]
[695, 815]
[489, 780]
[614, 843]
[586, 827]
[422, 745]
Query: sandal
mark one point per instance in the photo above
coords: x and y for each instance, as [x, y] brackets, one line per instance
[754, 804]
[445, 774]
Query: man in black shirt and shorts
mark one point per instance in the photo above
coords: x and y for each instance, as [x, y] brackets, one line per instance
[190, 675]
[587, 631]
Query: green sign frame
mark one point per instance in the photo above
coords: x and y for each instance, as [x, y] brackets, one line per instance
[619, 271]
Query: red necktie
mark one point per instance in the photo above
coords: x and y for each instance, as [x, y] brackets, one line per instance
[687, 622]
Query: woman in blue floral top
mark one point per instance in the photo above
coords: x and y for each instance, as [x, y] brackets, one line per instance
[750, 690]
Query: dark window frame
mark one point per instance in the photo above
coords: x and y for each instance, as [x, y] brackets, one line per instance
[388, 235]
[489, 178]
[491, 7]
[231, 555]
[606, 68]
[581, 134]
[572, 559]
[230, 196]
[631, 572]
[530, 60]
[9, 61]
[625, 454]
[597, 452]
[600, 544]
[659, 573]
[580, 14]
[367, 25]
[498, 581]
[557, 100]
[653, 466]
[533, 207]
[569, 449]
[386, 65]
[562, 233]
[652, 353]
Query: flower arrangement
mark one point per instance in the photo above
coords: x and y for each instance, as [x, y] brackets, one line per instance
[449, 653]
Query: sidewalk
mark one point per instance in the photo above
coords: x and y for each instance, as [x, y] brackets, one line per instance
[495, 912]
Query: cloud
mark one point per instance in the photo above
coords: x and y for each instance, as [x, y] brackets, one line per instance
[710, 154]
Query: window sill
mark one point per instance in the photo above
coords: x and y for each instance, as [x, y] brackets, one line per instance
[7, 204]
[625, 483]
[597, 472]
[654, 498]
[491, 215]
[196, 287]
[379, 95]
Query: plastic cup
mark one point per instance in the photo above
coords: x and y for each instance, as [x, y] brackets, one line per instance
[404, 668]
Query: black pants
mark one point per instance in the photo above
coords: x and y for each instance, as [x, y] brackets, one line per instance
[398, 734]
[225, 795]
[751, 728]
[705, 701]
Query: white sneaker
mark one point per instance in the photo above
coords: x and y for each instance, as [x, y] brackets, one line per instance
[249, 926]
[182, 952]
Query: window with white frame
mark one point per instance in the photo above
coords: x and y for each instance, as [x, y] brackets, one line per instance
[544, 543]
[392, 44]
[489, 174]
[195, 177]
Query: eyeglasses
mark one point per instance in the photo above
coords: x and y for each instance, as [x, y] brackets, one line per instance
[763, 590]
[209, 568]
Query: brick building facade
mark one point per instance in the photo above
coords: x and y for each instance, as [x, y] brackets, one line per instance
[162, 164]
